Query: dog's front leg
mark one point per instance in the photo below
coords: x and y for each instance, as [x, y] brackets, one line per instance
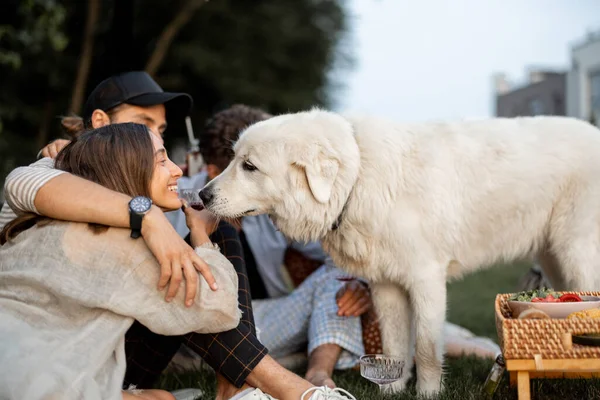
[428, 298]
[393, 309]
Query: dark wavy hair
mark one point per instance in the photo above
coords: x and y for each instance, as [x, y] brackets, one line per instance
[119, 157]
[222, 129]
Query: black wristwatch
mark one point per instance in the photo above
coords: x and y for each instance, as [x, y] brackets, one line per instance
[138, 207]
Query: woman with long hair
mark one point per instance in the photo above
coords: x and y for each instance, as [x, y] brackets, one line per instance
[69, 291]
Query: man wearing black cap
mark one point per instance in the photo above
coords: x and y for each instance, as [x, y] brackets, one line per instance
[128, 97]
[237, 356]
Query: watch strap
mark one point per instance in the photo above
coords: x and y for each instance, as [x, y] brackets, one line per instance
[135, 223]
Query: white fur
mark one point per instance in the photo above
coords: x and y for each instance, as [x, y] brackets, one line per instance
[426, 202]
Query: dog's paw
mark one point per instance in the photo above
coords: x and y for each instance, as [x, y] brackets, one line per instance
[429, 388]
[396, 387]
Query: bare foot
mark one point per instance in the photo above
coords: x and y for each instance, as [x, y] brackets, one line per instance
[321, 363]
[320, 378]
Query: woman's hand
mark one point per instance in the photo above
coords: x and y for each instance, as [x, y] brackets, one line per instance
[353, 299]
[177, 259]
[201, 224]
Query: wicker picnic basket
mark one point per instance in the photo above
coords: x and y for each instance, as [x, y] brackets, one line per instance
[526, 338]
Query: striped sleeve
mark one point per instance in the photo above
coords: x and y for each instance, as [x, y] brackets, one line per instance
[22, 184]
[6, 215]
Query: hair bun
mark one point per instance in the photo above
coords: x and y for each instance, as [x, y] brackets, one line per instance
[72, 125]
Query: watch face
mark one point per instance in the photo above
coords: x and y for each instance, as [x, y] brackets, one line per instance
[140, 204]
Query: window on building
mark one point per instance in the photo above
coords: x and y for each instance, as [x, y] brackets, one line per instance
[558, 103]
[536, 107]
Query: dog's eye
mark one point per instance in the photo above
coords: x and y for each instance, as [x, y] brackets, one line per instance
[248, 166]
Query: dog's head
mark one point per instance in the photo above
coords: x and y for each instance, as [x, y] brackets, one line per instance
[299, 168]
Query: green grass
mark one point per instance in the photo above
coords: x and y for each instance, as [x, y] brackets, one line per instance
[471, 299]
[470, 304]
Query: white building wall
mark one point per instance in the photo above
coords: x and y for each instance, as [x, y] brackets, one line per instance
[585, 62]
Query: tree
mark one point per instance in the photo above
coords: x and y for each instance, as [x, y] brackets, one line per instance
[274, 54]
[29, 46]
[85, 61]
[168, 34]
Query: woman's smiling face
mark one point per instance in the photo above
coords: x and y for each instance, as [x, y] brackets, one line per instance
[163, 186]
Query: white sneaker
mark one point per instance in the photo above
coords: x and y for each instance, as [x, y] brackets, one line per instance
[187, 394]
[256, 394]
[326, 393]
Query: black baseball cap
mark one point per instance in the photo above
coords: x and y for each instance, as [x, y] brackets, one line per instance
[136, 88]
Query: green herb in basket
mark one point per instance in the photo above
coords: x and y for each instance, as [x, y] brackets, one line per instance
[532, 294]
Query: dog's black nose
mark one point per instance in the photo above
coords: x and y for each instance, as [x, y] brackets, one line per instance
[207, 196]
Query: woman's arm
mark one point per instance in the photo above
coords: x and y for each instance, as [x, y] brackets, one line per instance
[211, 311]
[41, 189]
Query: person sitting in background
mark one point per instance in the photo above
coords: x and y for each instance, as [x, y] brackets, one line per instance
[70, 291]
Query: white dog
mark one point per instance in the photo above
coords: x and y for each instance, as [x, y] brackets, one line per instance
[408, 206]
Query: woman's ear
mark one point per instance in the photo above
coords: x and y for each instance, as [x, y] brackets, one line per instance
[100, 119]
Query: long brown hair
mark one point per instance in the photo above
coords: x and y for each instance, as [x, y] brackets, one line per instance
[119, 157]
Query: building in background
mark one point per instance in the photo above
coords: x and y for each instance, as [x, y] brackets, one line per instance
[543, 94]
[583, 82]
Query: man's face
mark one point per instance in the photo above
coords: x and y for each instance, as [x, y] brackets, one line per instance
[154, 117]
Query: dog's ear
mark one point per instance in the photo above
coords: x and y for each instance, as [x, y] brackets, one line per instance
[321, 170]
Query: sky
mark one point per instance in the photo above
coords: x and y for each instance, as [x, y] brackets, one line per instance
[419, 60]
